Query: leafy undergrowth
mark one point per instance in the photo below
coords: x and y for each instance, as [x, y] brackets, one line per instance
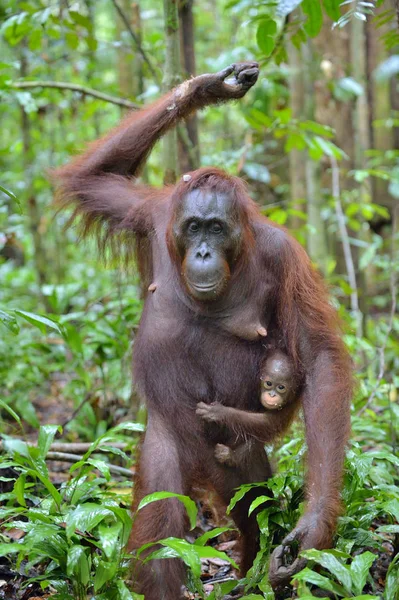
[66, 541]
[65, 524]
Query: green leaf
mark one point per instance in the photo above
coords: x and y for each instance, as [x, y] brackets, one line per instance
[109, 538]
[265, 36]
[174, 548]
[387, 69]
[332, 9]
[329, 561]
[392, 507]
[78, 565]
[104, 572]
[191, 554]
[72, 40]
[9, 193]
[19, 489]
[312, 10]
[317, 128]
[360, 568]
[125, 593]
[10, 411]
[85, 517]
[257, 502]
[209, 535]
[16, 446]
[102, 466]
[323, 582]
[11, 548]
[351, 86]
[391, 591]
[80, 19]
[46, 437]
[39, 321]
[189, 504]
[220, 590]
[9, 321]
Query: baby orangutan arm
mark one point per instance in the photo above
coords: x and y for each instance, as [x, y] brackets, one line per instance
[263, 426]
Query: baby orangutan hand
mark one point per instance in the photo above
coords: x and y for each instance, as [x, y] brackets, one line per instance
[213, 413]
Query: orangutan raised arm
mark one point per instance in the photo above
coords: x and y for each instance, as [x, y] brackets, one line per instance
[98, 183]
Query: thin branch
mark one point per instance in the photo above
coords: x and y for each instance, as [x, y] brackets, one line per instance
[84, 446]
[72, 458]
[136, 41]
[393, 291]
[350, 267]
[75, 87]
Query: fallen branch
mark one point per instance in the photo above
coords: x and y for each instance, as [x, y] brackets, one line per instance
[83, 447]
[75, 87]
[72, 458]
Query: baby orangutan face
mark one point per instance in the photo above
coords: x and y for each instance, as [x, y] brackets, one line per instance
[278, 382]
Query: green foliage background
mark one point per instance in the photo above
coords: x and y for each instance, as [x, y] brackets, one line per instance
[68, 322]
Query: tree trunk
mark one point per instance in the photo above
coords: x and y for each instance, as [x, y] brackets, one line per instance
[362, 128]
[35, 221]
[189, 151]
[317, 236]
[297, 158]
[171, 79]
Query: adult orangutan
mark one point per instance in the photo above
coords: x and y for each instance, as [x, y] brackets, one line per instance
[219, 269]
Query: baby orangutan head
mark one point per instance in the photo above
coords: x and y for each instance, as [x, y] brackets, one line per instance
[278, 382]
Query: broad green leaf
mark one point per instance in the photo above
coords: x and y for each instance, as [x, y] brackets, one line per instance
[360, 568]
[179, 548]
[221, 589]
[102, 466]
[189, 504]
[46, 437]
[257, 502]
[317, 128]
[332, 9]
[392, 507]
[19, 489]
[388, 529]
[16, 446]
[39, 321]
[11, 548]
[85, 517]
[105, 571]
[9, 321]
[387, 69]
[80, 19]
[109, 538]
[125, 593]
[314, 22]
[78, 564]
[329, 561]
[264, 36]
[323, 582]
[351, 86]
[56, 496]
[209, 535]
[391, 591]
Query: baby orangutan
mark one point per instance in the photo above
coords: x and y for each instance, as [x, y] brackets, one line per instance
[280, 398]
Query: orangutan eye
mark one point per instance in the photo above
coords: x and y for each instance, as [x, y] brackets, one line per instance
[268, 384]
[217, 228]
[193, 227]
[281, 388]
